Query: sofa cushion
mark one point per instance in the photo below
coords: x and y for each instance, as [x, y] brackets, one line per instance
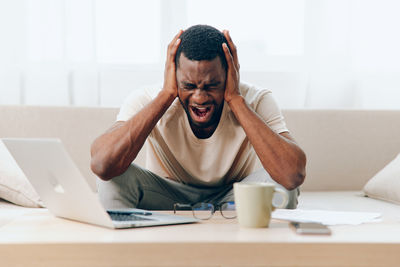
[14, 186]
[385, 185]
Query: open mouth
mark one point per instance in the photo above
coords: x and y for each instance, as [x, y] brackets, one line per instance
[201, 114]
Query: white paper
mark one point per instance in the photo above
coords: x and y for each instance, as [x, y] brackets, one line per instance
[326, 217]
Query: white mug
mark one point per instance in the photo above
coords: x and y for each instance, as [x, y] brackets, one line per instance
[254, 203]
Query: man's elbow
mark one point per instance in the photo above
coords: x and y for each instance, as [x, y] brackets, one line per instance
[298, 175]
[296, 180]
[100, 170]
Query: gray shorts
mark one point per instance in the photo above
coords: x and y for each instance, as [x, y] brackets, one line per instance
[140, 188]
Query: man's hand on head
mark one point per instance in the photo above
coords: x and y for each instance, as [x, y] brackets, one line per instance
[233, 75]
[170, 86]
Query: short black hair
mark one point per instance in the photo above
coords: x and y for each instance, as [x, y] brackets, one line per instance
[202, 42]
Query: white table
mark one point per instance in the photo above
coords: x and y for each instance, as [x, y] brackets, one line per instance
[34, 237]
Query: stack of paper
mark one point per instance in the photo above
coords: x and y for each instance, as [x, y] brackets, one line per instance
[326, 217]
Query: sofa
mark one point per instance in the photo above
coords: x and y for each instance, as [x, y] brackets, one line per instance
[344, 149]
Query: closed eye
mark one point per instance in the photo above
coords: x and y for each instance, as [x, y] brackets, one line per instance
[213, 85]
[188, 86]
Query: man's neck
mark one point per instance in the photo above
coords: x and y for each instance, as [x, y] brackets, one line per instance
[203, 133]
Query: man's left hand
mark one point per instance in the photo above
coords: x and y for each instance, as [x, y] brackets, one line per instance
[232, 76]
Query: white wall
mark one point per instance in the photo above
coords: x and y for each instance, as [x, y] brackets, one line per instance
[310, 53]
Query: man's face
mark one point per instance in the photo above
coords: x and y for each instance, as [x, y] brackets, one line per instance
[201, 87]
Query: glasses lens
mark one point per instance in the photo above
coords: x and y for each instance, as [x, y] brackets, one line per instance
[228, 210]
[203, 211]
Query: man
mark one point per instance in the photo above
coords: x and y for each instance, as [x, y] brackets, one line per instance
[204, 129]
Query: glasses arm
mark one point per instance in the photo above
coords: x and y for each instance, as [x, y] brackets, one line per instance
[180, 205]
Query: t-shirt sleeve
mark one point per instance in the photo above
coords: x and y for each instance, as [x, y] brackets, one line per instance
[268, 109]
[135, 102]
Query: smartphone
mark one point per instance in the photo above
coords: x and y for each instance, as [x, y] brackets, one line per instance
[311, 228]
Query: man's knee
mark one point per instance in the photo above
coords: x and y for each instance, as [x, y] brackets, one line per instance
[122, 191]
[292, 198]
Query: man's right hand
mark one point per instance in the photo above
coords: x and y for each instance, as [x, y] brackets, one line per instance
[170, 85]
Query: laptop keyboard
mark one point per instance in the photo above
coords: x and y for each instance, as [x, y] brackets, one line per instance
[122, 217]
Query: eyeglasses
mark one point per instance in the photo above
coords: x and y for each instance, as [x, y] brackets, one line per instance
[205, 211]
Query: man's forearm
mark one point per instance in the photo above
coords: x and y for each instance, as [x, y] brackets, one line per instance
[279, 155]
[114, 151]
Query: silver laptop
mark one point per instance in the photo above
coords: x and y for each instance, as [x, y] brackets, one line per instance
[66, 192]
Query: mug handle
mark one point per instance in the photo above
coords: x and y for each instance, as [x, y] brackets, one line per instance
[285, 199]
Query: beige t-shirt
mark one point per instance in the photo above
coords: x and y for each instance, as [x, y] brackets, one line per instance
[174, 152]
